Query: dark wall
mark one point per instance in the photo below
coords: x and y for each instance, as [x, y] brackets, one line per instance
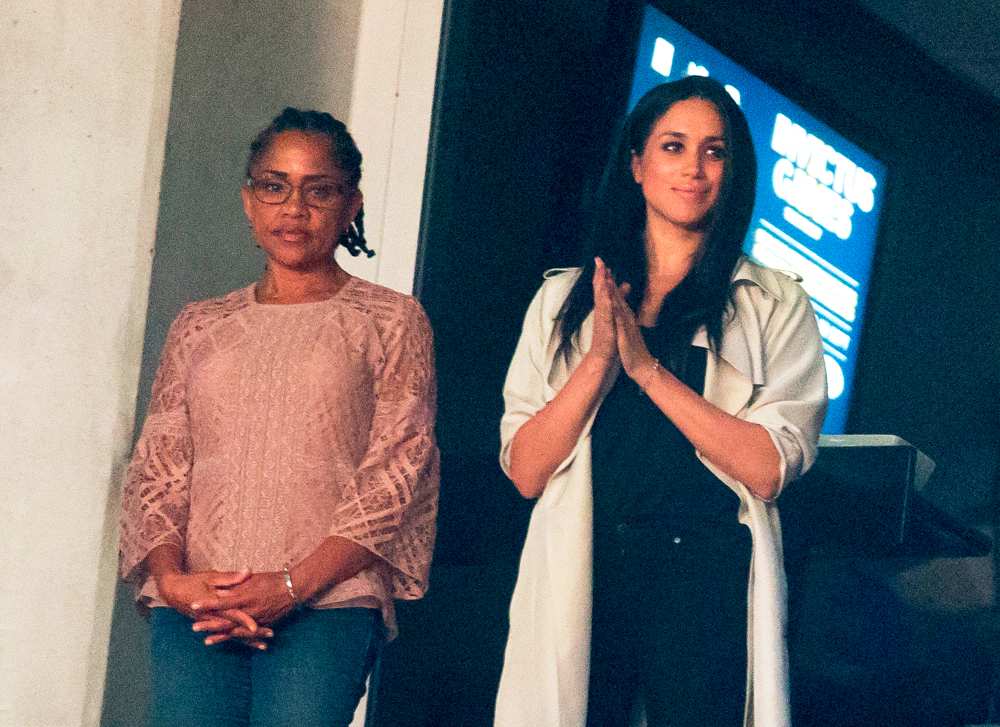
[521, 115]
[526, 96]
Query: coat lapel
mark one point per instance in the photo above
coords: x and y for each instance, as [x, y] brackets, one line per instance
[732, 373]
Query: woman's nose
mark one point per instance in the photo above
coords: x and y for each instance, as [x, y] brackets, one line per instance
[296, 203]
[694, 165]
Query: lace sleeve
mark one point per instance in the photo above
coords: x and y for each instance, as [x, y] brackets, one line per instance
[156, 489]
[390, 506]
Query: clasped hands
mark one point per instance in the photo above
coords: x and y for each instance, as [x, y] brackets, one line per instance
[226, 606]
[616, 334]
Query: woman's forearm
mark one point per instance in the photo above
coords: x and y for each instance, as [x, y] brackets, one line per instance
[739, 448]
[549, 437]
[164, 560]
[335, 560]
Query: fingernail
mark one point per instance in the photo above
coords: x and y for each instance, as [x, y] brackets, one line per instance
[196, 627]
[262, 647]
[195, 606]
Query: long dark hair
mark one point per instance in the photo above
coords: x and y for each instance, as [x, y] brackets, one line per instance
[343, 151]
[616, 221]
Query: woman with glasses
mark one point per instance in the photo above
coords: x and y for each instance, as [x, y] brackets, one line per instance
[284, 489]
[658, 401]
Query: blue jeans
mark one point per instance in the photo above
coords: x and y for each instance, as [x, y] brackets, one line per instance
[312, 674]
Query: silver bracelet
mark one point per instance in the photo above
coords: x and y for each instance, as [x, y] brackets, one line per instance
[288, 585]
[656, 369]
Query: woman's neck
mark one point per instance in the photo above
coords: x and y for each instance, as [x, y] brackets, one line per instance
[284, 285]
[670, 253]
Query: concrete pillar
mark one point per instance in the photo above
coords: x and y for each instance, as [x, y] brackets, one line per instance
[84, 99]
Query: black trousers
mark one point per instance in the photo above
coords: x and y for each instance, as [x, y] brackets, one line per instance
[669, 624]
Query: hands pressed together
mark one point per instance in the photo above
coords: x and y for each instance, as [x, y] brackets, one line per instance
[616, 330]
[240, 606]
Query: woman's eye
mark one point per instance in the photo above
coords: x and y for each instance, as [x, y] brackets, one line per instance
[274, 187]
[672, 146]
[716, 152]
[322, 192]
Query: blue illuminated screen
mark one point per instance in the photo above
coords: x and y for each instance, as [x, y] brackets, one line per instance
[818, 195]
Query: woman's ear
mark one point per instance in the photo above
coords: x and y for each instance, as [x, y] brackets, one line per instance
[357, 199]
[247, 198]
[636, 168]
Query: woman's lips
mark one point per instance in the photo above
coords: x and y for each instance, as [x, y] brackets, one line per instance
[691, 191]
[291, 234]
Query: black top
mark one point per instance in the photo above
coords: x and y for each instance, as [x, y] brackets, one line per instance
[644, 469]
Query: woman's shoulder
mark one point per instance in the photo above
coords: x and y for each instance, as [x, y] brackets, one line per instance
[384, 306]
[756, 280]
[200, 314]
[379, 298]
[559, 277]
[556, 286]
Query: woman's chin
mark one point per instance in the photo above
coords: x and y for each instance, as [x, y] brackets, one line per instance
[300, 260]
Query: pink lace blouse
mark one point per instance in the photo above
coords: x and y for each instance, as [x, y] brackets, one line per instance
[272, 427]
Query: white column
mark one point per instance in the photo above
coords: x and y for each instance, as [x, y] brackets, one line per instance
[392, 99]
[391, 103]
[84, 99]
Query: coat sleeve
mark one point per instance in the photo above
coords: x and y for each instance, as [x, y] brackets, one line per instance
[792, 402]
[524, 387]
[156, 491]
[538, 371]
[390, 505]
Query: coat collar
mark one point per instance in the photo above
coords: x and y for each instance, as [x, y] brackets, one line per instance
[738, 347]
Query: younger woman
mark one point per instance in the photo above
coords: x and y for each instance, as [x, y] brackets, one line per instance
[658, 401]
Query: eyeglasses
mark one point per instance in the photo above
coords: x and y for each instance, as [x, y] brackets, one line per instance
[322, 195]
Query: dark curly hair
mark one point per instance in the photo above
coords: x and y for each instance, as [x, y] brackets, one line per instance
[617, 220]
[344, 153]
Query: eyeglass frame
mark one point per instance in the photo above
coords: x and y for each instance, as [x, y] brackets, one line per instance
[343, 191]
